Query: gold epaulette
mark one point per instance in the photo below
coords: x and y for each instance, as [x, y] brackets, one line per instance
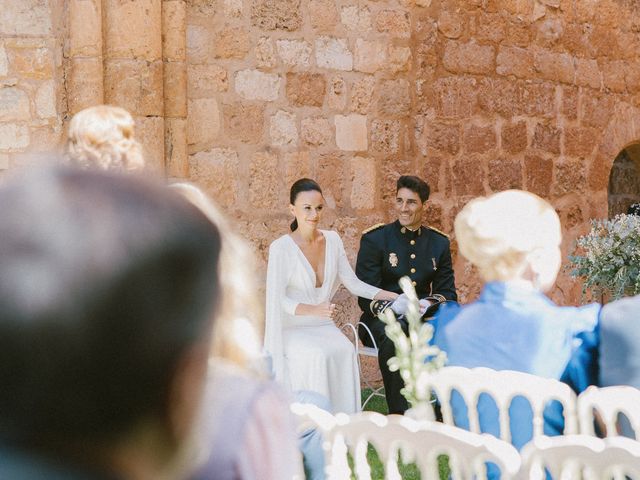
[438, 231]
[372, 228]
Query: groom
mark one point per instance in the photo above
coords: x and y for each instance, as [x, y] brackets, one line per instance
[389, 252]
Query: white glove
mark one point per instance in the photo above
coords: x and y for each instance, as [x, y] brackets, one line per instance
[400, 305]
[424, 304]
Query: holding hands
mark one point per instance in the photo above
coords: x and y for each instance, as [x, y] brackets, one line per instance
[401, 305]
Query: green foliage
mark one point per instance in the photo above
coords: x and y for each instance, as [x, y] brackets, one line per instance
[608, 257]
[415, 358]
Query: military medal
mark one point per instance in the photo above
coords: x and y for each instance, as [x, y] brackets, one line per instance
[435, 267]
[393, 259]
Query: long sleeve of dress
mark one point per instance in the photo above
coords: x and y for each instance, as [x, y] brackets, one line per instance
[277, 305]
[348, 277]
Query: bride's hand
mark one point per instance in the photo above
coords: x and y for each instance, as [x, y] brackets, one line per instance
[386, 295]
[325, 309]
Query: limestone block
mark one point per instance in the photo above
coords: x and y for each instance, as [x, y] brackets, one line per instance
[30, 58]
[13, 136]
[199, 44]
[14, 104]
[468, 176]
[150, 134]
[370, 55]
[323, 15]
[315, 131]
[514, 137]
[538, 173]
[394, 22]
[443, 136]
[174, 34]
[244, 122]
[206, 80]
[136, 85]
[468, 57]
[294, 53]
[276, 14]
[203, 122]
[306, 89]
[569, 177]
[356, 18]
[395, 97]
[504, 174]
[265, 182]
[385, 136]
[547, 138]
[362, 92]
[85, 28]
[399, 59]
[330, 173]
[297, 165]
[233, 8]
[588, 73]
[175, 147]
[25, 17]
[455, 97]
[231, 42]
[133, 29]
[363, 183]
[337, 97]
[479, 138]
[265, 53]
[579, 141]
[256, 85]
[351, 132]
[515, 61]
[283, 129]
[4, 61]
[555, 66]
[45, 100]
[333, 53]
[613, 75]
[175, 89]
[216, 171]
[84, 84]
[450, 24]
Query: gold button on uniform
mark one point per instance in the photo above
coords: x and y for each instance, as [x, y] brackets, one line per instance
[412, 242]
[413, 255]
[414, 283]
[413, 270]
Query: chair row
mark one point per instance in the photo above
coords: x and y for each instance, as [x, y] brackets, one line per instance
[423, 442]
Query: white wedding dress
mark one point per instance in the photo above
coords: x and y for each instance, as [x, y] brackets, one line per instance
[310, 353]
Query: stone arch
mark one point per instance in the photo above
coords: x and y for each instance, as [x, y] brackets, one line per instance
[622, 132]
[624, 180]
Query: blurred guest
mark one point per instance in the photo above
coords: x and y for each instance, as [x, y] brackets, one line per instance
[103, 137]
[107, 293]
[245, 429]
[513, 238]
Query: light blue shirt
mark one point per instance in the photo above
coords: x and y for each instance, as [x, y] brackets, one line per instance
[517, 328]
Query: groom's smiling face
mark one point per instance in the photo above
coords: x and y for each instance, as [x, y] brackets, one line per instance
[409, 208]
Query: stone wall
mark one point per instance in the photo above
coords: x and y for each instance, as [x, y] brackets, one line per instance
[245, 96]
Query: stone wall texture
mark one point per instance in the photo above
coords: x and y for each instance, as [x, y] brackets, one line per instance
[242, 97]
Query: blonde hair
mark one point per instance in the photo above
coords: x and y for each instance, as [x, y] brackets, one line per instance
[238, 322]
[502, 233]
[103, 137]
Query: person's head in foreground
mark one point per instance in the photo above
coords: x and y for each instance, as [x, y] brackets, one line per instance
[103, 137]
[106, 291]
[511, 235]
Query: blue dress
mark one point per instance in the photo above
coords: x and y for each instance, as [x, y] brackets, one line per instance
[511, 327]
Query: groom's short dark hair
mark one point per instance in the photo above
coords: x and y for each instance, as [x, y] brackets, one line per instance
[415, 184]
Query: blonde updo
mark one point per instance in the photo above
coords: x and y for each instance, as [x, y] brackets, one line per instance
[510, 234]
[102, 137]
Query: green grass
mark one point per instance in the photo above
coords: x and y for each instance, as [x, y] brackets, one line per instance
[407, 471]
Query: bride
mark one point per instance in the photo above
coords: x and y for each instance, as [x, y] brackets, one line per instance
[304, 271]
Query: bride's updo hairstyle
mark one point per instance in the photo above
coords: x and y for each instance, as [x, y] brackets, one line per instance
[511, 235]
[299, 186]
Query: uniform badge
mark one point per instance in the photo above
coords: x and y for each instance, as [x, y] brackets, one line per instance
[393, 259]
[435, 267]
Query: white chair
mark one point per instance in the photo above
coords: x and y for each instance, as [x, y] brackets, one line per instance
[581, 457]
[352, 332]
[502, 386]
[608, 402]
[421, 442]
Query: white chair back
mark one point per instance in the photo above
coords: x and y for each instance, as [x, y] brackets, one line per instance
[502, 386]
[581, 456]
[421, 442]
[608, 402]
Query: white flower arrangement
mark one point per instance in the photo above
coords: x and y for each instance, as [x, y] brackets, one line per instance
[608, 257]
[415, 358]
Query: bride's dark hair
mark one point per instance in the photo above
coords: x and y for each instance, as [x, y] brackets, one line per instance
[301, 185]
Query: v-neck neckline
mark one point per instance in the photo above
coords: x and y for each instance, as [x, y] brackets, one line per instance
[308, 263]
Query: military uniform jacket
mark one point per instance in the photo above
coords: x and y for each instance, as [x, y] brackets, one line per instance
[389, 252]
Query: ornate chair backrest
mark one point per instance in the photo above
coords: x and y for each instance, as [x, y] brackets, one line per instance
[608, 402]
[581, 456]
[502, 386]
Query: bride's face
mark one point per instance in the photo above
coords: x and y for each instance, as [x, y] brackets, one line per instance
[308, 209]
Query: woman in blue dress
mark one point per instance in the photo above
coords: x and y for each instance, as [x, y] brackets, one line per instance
[513, 238]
